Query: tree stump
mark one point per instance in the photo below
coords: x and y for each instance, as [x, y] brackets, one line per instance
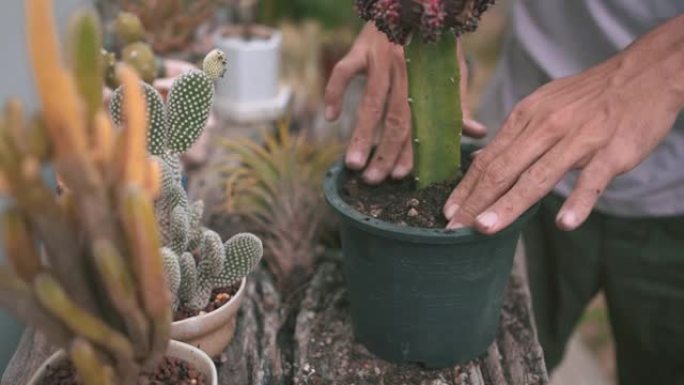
[308, 340]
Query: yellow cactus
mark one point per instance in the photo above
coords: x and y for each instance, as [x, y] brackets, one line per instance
[103, 297]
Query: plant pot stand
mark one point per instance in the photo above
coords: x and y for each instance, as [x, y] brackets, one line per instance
[307, 339]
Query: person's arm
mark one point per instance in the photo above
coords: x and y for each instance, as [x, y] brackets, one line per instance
[386, 87]
[604, 121]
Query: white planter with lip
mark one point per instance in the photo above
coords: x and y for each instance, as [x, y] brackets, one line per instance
[195, 357]
[250, 89]
[213, 331]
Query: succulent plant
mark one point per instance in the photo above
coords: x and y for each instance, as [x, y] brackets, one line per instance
[276, 190]
[172, 130]
[175, 127]
[95, 290]
[428, 30]
[128, 28]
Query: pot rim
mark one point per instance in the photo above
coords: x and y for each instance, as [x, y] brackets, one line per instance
[214, 313]
[223, 38]
[410, 234]
[173, 345]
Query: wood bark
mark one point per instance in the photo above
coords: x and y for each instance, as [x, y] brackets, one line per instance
[307, 340]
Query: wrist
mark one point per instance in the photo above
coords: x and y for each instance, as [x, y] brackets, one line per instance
[656, 63]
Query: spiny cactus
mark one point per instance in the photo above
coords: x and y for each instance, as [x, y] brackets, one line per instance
[96, 290]
[174, 129]
[428, 29]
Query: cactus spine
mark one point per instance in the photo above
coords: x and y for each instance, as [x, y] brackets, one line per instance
[196, 261]
[428, 30]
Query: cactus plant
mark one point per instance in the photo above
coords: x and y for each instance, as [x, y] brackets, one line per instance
[171, 24]
[172, 130]
[136, 52]
[428, 30]
[96, 290]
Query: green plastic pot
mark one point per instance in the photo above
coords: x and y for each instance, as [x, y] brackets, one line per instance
[425, 296]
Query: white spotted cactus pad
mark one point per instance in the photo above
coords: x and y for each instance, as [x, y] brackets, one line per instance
[196, 261]
[174, 128]
[156, 117]
[190, 101]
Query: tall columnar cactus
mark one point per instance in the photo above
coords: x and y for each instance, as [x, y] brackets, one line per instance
[196, 261]
[95, 291]
[428, 30]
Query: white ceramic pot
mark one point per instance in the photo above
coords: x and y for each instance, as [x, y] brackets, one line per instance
[182, 351]
[211, 332]
[253, 65]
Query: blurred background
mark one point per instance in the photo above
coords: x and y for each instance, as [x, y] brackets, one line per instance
[280, 55]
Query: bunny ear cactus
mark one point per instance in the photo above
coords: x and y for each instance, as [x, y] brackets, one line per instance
[428, 30]
[195, 259]
[174, 128]
[185, 241]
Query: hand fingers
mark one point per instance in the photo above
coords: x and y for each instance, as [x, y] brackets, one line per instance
[532, 185]
[515, 124]
[591, 183]
[405, 161]
[473, 128]
[397, 125]
[502, 173]
[369, 112]
[342, 74]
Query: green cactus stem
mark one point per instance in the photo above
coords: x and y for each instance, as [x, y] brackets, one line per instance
[435, 100]
[139, 55]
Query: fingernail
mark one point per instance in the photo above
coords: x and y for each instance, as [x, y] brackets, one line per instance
[455, 226]
[488, 220]
[372, 176]
[329, 113]
[355, 160]
[400, 172]
[567, 219]
[451, 211]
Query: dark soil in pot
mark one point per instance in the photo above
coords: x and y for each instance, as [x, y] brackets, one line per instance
[399, 202]
[171, 371]
[219, 297]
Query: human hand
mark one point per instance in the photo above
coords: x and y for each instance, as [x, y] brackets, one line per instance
[604, 121]
[387, 86]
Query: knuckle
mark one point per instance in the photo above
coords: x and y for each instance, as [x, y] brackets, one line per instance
[536, 176]
[479, 164]
[496, 173]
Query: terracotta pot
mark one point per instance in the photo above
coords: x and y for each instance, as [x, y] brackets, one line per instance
[213, 331]
[185, 352]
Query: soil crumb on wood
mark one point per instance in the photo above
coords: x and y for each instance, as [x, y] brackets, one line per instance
[399, 202]
[219, 297]
[171, 371]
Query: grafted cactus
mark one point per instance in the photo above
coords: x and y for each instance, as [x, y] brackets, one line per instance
[175, 127]
[428, 29]
[400, 19]
[196, 261]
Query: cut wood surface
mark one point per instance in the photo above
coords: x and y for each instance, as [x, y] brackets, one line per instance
[307, 340]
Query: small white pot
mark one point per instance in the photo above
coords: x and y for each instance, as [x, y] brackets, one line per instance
[182, 351]
[213, 331]
[253, 73]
